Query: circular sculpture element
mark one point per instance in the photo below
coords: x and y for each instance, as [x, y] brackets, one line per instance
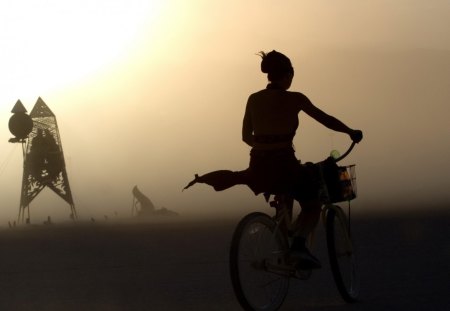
[20, 125]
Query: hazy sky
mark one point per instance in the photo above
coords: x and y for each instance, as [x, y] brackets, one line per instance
[148, 93]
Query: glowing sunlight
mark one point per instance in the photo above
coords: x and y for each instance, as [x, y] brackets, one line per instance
[47, 45]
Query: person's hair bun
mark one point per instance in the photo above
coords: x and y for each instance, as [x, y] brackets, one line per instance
[275, 62]
[265, 62]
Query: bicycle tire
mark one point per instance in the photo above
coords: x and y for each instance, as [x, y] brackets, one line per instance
[254, 241]
[341, 253]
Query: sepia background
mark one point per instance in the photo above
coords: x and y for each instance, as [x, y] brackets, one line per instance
[149, 93]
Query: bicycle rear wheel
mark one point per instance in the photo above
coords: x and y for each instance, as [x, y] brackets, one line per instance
[342, 255]
[255, 244]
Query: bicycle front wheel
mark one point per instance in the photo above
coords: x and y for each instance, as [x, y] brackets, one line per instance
[256, 244]
[342, 255]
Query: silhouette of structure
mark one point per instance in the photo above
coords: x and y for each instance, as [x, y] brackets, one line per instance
[143, 206]
[20, 123]
[44, 164]
[141, 203]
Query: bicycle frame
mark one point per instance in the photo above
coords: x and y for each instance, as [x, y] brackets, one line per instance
[284, 206]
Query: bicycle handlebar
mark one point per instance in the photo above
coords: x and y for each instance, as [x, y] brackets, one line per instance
[347, 152]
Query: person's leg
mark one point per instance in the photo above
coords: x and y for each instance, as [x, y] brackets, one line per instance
[306, 180]
[305, 225]
[283, 205]
[308, 218]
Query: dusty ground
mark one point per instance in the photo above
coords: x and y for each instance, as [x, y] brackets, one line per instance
[183, 265]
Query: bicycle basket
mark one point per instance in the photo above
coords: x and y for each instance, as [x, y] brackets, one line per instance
[340, 181]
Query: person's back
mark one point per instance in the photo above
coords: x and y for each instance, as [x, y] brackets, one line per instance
[273, 114]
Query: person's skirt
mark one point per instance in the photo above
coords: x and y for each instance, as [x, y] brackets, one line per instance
[280, 172]
[269, 172]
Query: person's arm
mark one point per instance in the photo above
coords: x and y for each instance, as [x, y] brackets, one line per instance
[247, 127]
[330, 121]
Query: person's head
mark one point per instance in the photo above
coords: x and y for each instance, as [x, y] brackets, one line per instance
[278, 67]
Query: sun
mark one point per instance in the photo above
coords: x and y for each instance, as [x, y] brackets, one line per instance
[50, 44]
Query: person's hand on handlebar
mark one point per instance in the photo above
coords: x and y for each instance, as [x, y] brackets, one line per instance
[356, 135]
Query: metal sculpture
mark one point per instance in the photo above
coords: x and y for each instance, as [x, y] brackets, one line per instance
[143, 207]
[141, 203]
[20, 123]
[44, 164]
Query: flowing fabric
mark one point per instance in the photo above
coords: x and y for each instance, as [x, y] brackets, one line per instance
[221, 179]
[302, 188]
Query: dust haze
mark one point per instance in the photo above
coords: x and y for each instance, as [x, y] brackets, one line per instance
[172, 106]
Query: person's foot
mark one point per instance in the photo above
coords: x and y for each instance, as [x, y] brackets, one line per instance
[302, 259]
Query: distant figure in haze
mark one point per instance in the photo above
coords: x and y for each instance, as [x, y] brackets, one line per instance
[269, 126]
[146, 206]
[48, 221]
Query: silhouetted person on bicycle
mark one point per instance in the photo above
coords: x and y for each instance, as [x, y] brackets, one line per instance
[269, 126]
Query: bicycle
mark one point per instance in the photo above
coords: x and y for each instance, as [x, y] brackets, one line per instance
[259, 268]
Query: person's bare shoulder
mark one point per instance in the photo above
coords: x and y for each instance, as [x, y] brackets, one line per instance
[299, 100]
